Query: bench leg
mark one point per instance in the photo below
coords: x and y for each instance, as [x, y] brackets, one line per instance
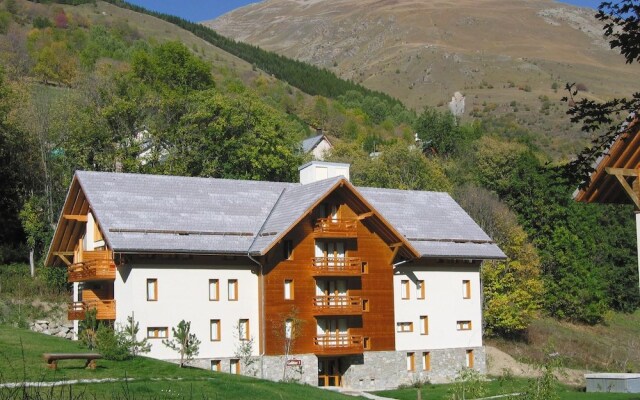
[91, 364]
[53, 364]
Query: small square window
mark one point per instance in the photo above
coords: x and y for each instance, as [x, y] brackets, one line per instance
[157, 332]
[405, 326]
[463, 325]
[216, 365]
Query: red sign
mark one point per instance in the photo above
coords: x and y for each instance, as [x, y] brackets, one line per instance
[294, 362]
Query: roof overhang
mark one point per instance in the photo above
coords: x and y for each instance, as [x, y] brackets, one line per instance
[615, 178]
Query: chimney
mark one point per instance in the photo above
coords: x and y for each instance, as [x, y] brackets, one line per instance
[318, 170]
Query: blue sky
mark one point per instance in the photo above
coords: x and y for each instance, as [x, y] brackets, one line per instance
[201, 10]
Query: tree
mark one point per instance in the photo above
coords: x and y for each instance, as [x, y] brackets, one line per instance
[512, 289]
[622, 27]
[287, 328]
[130, 334]
[244, 351]
[184, 342]
[235, 137]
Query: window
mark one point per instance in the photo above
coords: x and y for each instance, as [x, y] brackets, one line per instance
[426, 361]
[365, 305]
[405, 327]
[424, 325]
[288, 289]
[234, 366]
[466, 289]
[157, 333]
[216, 365]
[215, 329]
[152, 289]
[288, 328]
[243, 329]
[464, 325]
[404, 290]
[420, 290]
[233, 289]
[411, 361]
[287, 249]
[366, 343]
[365, 267]
[214, 289]
[469, 359]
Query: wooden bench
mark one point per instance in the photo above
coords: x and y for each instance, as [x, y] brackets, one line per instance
[53, 358]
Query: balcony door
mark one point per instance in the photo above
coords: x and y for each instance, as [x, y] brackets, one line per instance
[329, 372]
[333, 251]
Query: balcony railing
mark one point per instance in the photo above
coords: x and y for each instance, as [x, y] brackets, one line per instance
[331, 227]
[337, 305]
[95, 266]
[106, 309]
[338, 344]
[337, 266]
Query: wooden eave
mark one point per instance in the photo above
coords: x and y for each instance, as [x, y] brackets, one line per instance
[371, 217]
[70, 225]
[624, 154]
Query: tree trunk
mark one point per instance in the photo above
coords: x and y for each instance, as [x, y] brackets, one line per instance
[32, 264]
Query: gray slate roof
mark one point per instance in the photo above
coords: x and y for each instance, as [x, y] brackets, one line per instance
[309, 143]
[155, 213]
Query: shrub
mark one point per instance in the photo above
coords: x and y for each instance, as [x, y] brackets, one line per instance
[41, 22]
[112, 344]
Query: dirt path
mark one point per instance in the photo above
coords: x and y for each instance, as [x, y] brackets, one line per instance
[499, 363]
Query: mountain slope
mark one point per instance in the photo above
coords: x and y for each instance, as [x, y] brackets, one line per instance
[494, 51]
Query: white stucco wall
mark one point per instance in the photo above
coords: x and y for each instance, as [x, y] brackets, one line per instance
[443, 304]
[183, 293]
[321, 150]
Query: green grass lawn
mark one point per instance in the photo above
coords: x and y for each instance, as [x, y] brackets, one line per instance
[21, 360]
[498, 387]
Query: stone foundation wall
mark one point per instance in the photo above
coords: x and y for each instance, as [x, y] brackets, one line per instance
[373, 370]
[53, 328]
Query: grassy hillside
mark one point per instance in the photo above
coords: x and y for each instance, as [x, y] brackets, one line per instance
[613, 346]
[506, 57]
[21, 360]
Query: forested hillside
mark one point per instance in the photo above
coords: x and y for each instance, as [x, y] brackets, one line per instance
[100, 87]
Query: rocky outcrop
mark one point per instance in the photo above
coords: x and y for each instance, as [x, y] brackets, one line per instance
[52, 328]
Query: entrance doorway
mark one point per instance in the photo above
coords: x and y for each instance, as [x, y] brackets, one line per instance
[329, 372]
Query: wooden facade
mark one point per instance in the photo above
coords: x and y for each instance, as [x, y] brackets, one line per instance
[363, 269]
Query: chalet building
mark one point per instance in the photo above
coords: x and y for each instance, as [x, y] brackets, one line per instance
[317, 146]
[334, 285]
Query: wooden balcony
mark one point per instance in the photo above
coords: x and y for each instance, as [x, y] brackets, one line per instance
[337, 266]
[336, 228]
[106, 309]
[337, 305]
[345, 344]
[95, 266]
